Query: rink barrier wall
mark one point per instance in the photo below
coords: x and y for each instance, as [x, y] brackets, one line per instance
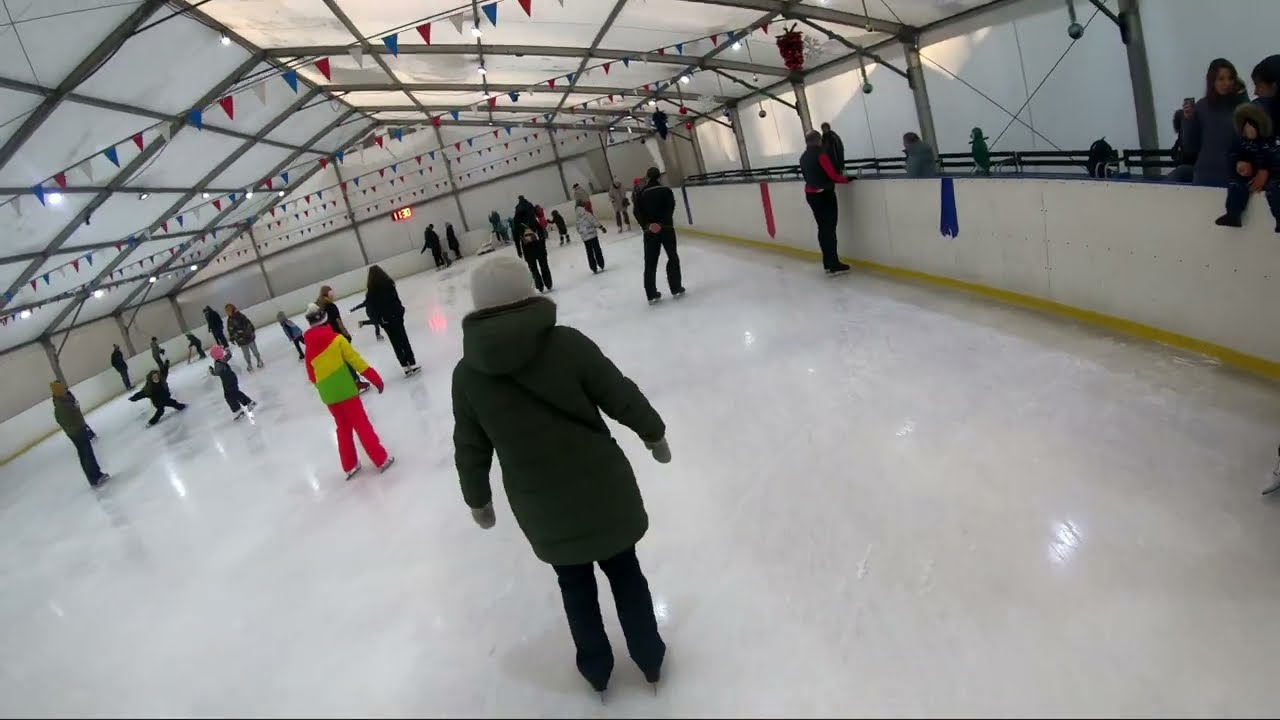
[1142, 260]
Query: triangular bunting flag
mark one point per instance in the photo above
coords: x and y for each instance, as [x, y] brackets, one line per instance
[324, 163]
[626, 62]
[425, 31]
[715, 39]
[431, 154]
[137, 140]
[61, 179]
[378, 140]
[454, 114]
[228, 104]
[393, 44]
[112, 155]
[606, 68]
[38, 191]
[680, 48]
[470, 142]
[285, 177]
[662, 51]
[86, 167]
[217, 204]
[323, 66]
[339, 156]
[528, 6]
[552, 83]
[291, 79]
[260, 91]
[456, 146]
[357, 54]
[457, 22]
[398, 134]
[569, 77]
[493, 101]
[491, 12]
[180, 223]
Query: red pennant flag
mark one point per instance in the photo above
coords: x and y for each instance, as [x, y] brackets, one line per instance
[435, 121]
[137, 140]
[61, 179]
[378, 140]
[217, 204]
[425, 31]
[493, 101]
[552, 83]
[419, 159]
[308, 199]
[382, 172]
[118, 246]
[273, 213]
[765, 28]
[606, 68]
[662, 51]
[165, 226]
[33, 285]
[506, 146]
[535, 136]
[76, 264]
[323, 66]
[344, 186]
[527, 5]
[715, 39]
[267, 182]
[306, 213]
[457, 146]
[324, 163]
[228, 104]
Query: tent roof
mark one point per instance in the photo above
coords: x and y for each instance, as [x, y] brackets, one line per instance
[141, 139]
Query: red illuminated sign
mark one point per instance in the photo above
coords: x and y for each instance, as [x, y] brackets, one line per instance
[403, 213]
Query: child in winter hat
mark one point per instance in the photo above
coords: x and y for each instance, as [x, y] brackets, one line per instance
[1255, 162]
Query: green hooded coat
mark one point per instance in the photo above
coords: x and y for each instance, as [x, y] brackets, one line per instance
[532, 391]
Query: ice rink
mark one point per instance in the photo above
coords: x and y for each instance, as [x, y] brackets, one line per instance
[885, 499]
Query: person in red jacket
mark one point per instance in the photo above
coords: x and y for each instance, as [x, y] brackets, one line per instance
[820, 180]
[328, 357]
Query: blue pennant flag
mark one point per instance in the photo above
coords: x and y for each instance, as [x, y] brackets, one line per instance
[285, 177]
[626, 62]
[393, 44]
[196, 117]
[39, 193]
[508, 129]
[233, 197]
[515, 96]
[291, 77]
[470, 141]
[547, 117]
[180, 223]
[398, 134]
[356, 181]
[339, 156]
[132, 241]
[680, 48]
[112, 155]
[46, 278]
[89, 258]
[420, 172]
[454, 114]
[569, 77]
[319, 194]
[432, 154]
[393, 167]
[491, 12]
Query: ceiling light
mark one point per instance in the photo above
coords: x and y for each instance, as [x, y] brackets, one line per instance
[224, 40]
[280, 193]
[24, 314]
[204, 196]
[144, 195]
[195, 267]
[684, 79]
[99, 293]
[653, 103]
[248, 194]
[151, 279]
[475, 30]
[482, 70]
[737, 44]
[55, 198]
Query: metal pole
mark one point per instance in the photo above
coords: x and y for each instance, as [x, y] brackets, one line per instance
[915, 79]
[1140, 78]
[604, 150]
[177, 312]
[52, 354]
[124, 333]
[697, 150]
[743, 158]
[802, 103]
[364, 253]
[559, 166]
[262, 268]
[448, 171]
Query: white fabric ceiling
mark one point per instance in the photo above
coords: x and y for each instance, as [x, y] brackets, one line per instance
[133, 131]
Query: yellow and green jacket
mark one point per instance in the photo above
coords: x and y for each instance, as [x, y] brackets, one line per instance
[328, 357]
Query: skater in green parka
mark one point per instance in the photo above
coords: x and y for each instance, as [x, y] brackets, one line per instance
[981, 153]
[532, 392]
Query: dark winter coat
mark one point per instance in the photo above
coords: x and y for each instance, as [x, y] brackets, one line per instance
[333, 317]
[66, 411]
[656, 204]
[526, 217]
[450, 237]
[155, 390]
[1261, 152]
[193, 341]
[117, 360]
[230, 382]
[532, 391]
[833, 146]
[558, 219]
[430, 241]
[1209, 133]
[496, 221]
[212, 319]
[383, 304]
[157, 352]
[240, 328]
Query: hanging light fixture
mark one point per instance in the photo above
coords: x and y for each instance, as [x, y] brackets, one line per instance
[483, 71]
[224, 40]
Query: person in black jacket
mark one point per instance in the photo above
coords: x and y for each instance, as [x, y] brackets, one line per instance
[231, 392]
[655, 208]
[820, 179]
[122, 367]
[451, 237]
[531, 235]
[833, 146]
[558, 220]
[157, 391]
[370, 319]
[431, 241]
[383, 304]
[214, 321]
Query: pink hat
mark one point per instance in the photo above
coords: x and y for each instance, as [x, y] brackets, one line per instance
[217, 353]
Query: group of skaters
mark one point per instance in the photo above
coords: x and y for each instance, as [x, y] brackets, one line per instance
[431, 241]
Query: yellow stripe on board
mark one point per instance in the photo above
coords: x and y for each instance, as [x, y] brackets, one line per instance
[1229, 356]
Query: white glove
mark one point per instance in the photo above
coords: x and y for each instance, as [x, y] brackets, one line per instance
[661, 450]
[484, 516]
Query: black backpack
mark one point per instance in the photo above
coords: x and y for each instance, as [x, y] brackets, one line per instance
[1101, 154]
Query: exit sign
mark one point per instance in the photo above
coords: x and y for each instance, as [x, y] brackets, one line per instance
[403, 213]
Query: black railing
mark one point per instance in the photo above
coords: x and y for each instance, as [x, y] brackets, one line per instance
[1038, 162]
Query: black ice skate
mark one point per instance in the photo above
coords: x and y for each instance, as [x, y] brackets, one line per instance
[252, 404]
[677, 293]
[1228, 220]
[839, 269]
[239, 414]
[655, 299]
[99, 481]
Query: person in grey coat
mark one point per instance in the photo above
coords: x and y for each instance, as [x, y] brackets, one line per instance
[921, 162]
[1208, 129]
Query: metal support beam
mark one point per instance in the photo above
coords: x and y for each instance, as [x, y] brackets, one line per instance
[857, 49]
[497, 109]
[87, 67]
[496, 89]
[448, 171]
[802, 103]
[139, 161]
[262, 268]
[813, 12]
[555, 152]
[920, 93]
[124, 333]
[1135, 45]
[346, 199]
[744, 158]
[652, 58]
[177, 313]
[52, 353]
[697, 150]
[756, 89]
[79, 249]
[604, 151]
[530, 124]
[586, 58]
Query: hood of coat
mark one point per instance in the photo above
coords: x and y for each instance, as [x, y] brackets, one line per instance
[1256, 114]
[501, 340]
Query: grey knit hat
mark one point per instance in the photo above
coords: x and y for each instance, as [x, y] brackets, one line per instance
[500, 281]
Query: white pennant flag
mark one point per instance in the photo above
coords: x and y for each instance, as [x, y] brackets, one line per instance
[86, 167]
[357, 54]
[17, 205]
[457, 22]
[260, 90]
[197, 210]
[164, 131]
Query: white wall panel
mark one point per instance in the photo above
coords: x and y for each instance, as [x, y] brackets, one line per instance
[302, 267]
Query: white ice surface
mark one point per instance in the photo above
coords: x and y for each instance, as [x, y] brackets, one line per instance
[885, 499]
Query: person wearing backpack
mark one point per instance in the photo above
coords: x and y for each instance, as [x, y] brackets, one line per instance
[533, 393]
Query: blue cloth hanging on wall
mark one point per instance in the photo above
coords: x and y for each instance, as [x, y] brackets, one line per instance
[948, 216]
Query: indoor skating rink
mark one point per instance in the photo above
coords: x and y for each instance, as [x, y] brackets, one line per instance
[885, 499]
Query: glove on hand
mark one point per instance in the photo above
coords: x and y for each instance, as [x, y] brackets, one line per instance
[661, 450]
[484, 516]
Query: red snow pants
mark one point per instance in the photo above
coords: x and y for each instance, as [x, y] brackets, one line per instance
[351, 419]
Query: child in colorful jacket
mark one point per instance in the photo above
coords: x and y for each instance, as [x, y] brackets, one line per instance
[293, 332]
[328, 355]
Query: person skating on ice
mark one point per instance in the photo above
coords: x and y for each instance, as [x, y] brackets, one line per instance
[451, 237]
[156, 389]
[122, 367]
[431, 241]
[533, 239]
[157, 352]
[655, 208]
[213, 321]
[558, 220]
[618, 199]
[231, 392]
[383, 302]
[66, 411]
[242, 332]
[333, 317]
[291, 331]
[330, 362]
[194, 346]
[820, 180]
[589, 228]
[499, 228]
[370, 319]
[533, 393]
